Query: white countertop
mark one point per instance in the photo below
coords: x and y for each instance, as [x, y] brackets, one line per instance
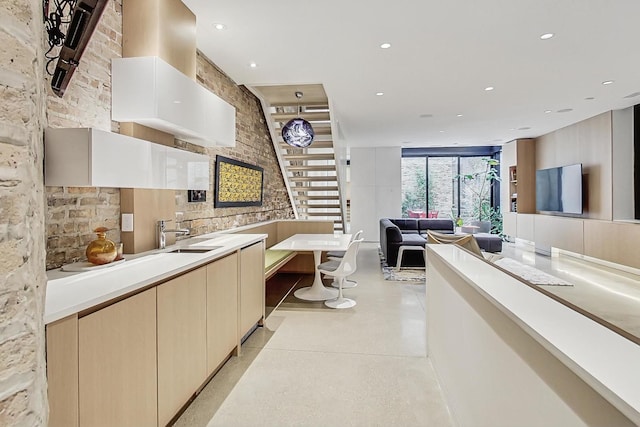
[69, 293]
[314, 242]
[605, 360]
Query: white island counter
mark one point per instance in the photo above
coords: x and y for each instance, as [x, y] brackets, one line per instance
[508, 355]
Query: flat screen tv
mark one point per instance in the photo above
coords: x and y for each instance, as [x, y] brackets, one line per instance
[559, 189]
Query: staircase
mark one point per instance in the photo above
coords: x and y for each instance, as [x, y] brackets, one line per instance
[311, 174]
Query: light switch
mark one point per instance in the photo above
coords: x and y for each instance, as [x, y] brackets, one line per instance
[127, 222]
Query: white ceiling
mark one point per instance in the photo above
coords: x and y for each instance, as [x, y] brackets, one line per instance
[443, 55]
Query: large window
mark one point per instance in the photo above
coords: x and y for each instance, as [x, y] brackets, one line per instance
[448, 183]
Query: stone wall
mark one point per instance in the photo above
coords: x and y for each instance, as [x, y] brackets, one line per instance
[72, 213]
[22, 254]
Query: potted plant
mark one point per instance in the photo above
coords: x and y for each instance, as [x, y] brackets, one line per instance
[480, 184]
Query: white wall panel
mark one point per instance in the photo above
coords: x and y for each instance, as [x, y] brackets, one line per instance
[375, 188]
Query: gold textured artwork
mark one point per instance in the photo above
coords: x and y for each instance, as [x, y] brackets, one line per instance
[237, 183]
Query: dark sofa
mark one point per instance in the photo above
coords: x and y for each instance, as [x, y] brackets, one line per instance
[409, 232]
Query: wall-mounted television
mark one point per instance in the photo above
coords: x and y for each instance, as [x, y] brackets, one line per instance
[559, 189]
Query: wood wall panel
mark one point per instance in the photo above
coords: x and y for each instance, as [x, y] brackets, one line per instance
[164, 28]
[588, 142]
[287, 229]
[148, 207]
[178, 36]
[559, 232]
[62, 372]
[612, 241]
[526, 186]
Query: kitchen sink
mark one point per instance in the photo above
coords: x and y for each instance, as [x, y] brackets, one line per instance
[193, 250]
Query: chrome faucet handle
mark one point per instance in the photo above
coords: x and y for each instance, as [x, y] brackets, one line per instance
[161, 238]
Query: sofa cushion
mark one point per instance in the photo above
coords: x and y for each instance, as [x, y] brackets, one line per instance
[413, 240]
[489, 242]
[434, 224]
[406, 224]
[391, 231]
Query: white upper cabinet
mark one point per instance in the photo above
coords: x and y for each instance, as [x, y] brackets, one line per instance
[85, 157]
[148, 91]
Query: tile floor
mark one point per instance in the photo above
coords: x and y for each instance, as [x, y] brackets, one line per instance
[313, 366]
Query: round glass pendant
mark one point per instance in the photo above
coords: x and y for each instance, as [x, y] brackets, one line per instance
[298, 133]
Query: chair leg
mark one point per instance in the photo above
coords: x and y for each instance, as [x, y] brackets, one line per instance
[346, 285]
[341, 301]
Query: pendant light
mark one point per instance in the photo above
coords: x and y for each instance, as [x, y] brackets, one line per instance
[298, 132]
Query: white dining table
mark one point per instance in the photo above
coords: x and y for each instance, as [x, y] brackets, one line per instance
[315, 243]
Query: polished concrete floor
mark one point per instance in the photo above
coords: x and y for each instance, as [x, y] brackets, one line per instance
[366, 366]
[314, 366]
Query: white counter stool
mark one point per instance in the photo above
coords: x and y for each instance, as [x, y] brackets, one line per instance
[337, 256]
[341, 270]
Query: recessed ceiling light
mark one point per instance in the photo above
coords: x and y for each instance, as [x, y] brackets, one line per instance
[512, 129]
[547, 111]
[459, 115]
[379, 93]
[607, 82]
[524, 128]
[565, 110]
[253, 65]
[489, 88]
[219, 26]
[546, 36]
[441, 131]
[589, 98]
[177, 102]
[632, 95]
[385, 45]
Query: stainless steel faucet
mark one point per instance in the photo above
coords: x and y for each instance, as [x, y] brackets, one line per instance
[161, 231]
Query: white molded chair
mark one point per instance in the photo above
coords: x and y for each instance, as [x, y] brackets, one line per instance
[337, 256]
[340, 270]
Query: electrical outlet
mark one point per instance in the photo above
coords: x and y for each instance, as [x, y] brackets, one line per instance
[127, 222]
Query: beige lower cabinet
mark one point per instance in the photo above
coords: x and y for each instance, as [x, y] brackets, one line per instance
[136, 362]
[117, 364]
[62, 372]
[182, 338]
[251, 286]
[222, 310]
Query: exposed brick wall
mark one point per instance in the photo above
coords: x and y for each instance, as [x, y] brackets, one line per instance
[72, 213]
[253, 145]
[22, 254]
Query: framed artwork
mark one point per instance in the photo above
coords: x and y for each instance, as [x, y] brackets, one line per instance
[237, 183]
